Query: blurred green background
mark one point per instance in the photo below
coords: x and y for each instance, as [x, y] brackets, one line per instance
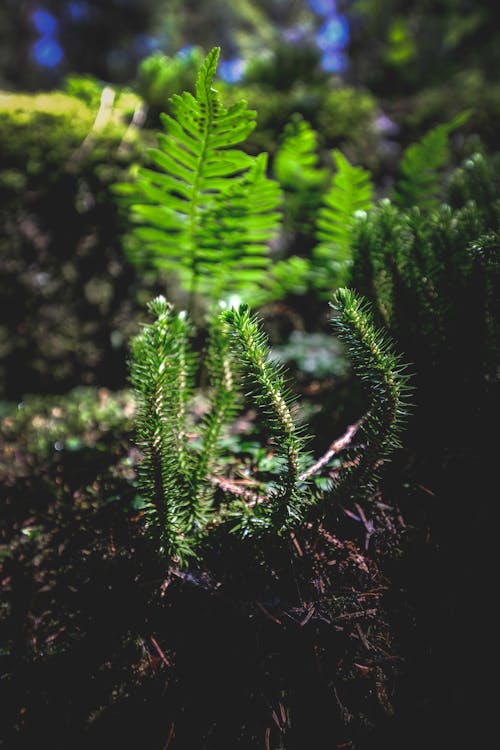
[83, 82]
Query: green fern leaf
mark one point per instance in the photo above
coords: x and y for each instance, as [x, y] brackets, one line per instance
[421, 165]
[237, 230]
[351, 191]
[206, 209]
[296, 164]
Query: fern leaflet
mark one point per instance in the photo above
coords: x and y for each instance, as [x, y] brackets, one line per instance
[235, 233]
[420, 183]
[351, 191]
[296, 164]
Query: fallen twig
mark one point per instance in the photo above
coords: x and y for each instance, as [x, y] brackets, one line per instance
[338, 445]
[160, 652]
[253, 498]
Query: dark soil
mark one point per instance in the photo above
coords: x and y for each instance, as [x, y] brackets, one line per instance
[374, 637]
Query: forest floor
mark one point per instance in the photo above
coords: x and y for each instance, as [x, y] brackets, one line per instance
[103, 645]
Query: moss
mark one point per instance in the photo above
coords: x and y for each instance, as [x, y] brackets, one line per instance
[66, 291]
[44, 424]
[346, 112]
[40, 130]
[341, 115]
[467, 90]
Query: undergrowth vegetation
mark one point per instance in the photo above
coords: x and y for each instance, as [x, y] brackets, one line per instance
[209, 215]
[176, 477]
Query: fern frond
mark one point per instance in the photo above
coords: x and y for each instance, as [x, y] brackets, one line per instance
[206, 210]
[376, 364]
[420, 180]
[351, 191]
[268, 388]
[297, 168]
[236, 232]
[296, 163]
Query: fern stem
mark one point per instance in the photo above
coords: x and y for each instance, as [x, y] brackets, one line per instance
[205, 103]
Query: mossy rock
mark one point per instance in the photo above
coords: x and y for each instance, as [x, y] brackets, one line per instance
[67, 292]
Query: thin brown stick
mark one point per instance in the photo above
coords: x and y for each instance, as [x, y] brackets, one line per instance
[337, 446]
[254, 498]
[232, 486]
[268, 614]
[160, 652]
[170, 736]
[357, 615]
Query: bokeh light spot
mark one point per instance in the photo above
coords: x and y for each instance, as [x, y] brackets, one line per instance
[47, 52]
[334, 61]
[77, 10]
[333, 33]
[232, 71]
[323, 7]
[185, 51]
[44, 22]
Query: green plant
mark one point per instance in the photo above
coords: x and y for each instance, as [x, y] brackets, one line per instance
[285, 66]
[208, 210]
[420, 181]
[350, 192]
[296, 167]
[179, 478]
[84, 87]
[433, 278]
[314, 201]
[347, 114]
[207, 213]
